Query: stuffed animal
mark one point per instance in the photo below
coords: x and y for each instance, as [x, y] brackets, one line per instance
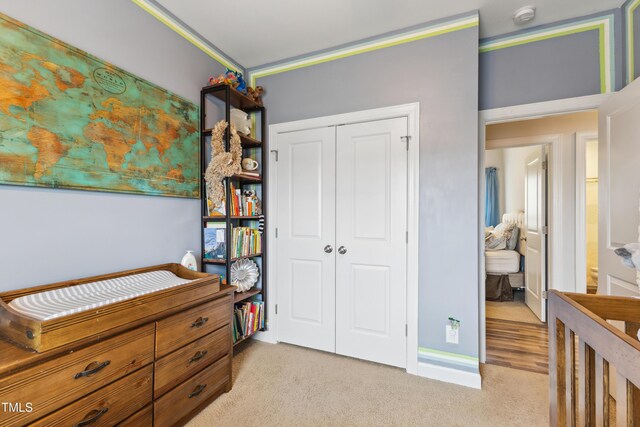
[255, 94]
[231, 78]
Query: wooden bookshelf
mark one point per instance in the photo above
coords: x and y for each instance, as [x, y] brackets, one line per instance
[227, 98]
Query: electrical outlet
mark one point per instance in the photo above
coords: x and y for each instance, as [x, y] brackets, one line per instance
[452, 334]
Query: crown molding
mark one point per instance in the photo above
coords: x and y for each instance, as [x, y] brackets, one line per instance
[171, 21]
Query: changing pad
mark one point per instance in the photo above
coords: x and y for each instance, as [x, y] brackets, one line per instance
[74, 299]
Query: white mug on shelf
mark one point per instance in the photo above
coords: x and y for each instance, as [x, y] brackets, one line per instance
[249, 164]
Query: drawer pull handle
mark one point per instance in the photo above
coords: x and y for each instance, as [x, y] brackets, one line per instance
[92, 368]
[197, 390]
[98, 413]
[199, 355]
[200, 322]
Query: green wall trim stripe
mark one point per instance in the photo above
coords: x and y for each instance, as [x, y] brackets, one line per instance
[606, 39]
[629, 21]
[184, 32]
[445, 356]
[369, 46]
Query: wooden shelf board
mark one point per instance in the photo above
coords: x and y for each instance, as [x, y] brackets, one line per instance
[214, 261]
[237, 99]
[242, 296]
[248, 256]
[223, 218]
[246, 141]
[247, 337]
[214, 218]
[247, 178]
[242, 339]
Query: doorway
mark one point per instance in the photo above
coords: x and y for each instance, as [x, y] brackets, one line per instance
[547, 245]
[346, 247]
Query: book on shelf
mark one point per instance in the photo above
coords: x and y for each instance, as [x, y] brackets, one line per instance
[244, 203]
[245, 241]
[248, 318]
[214, 241]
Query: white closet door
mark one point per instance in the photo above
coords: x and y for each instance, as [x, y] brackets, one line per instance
[371, 224]
[306, 237]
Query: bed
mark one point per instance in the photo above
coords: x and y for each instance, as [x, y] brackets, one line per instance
[503, 266]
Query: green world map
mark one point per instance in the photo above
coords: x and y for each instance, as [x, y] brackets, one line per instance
[70, 120]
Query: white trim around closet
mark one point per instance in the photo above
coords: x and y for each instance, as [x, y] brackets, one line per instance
[412, 113]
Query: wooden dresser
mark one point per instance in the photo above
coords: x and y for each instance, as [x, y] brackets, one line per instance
[158, 373]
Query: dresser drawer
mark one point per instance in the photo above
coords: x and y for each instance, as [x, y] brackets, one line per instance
[55, 383]
[180, 365]
[142, 418]
[107, 406]
[181, 401]
[183, 328]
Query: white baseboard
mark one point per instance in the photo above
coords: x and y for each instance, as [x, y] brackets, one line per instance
[450, 375]
[266, 336]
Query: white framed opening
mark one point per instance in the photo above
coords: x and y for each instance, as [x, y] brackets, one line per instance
[510, 114]
[412, 113]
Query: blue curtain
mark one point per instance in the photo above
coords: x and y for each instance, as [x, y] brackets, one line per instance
[492, 211]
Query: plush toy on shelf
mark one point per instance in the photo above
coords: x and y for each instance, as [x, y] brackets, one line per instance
[231, 78]
[255, 94]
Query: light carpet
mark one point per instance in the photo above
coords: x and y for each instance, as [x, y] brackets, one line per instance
[285, 385]
[515, 311]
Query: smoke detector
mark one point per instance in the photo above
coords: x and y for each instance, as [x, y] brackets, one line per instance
[524, 15]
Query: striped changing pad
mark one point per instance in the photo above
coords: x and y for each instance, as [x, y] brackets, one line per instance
[74, 299]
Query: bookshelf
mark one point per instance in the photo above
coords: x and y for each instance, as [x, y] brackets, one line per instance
[216, 102]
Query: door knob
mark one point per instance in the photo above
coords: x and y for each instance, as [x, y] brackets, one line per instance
[342, 250]
[328, 249]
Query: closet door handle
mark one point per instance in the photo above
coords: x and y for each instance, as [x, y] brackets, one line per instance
[328, 249]
[342, 250]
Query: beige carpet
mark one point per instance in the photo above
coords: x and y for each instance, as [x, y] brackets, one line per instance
[284, 385]
[515, 311]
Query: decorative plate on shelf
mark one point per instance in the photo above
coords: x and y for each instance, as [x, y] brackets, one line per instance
[244, 274]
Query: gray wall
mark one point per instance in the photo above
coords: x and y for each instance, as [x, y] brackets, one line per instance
[557, 68]
[442, 74]
[50, 235]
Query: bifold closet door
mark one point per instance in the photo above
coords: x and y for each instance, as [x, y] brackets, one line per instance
[306, 238]
[371, 226]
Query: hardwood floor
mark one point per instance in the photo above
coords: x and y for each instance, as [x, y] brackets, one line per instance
[517, 345]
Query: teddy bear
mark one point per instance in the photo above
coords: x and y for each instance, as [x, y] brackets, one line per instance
[255, 94]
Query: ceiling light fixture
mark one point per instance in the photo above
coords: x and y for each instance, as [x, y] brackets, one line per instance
[524, 15]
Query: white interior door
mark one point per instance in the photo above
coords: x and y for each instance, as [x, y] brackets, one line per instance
[306, 237]
[535, 224]
[619, 189]
[371, 225]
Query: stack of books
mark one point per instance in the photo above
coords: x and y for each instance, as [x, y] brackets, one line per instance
[245, 241]
[248, 318]
[244, 205]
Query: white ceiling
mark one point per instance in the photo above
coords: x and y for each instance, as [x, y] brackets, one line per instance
[256, 32]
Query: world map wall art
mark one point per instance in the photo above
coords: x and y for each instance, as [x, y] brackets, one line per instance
[70, 120]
